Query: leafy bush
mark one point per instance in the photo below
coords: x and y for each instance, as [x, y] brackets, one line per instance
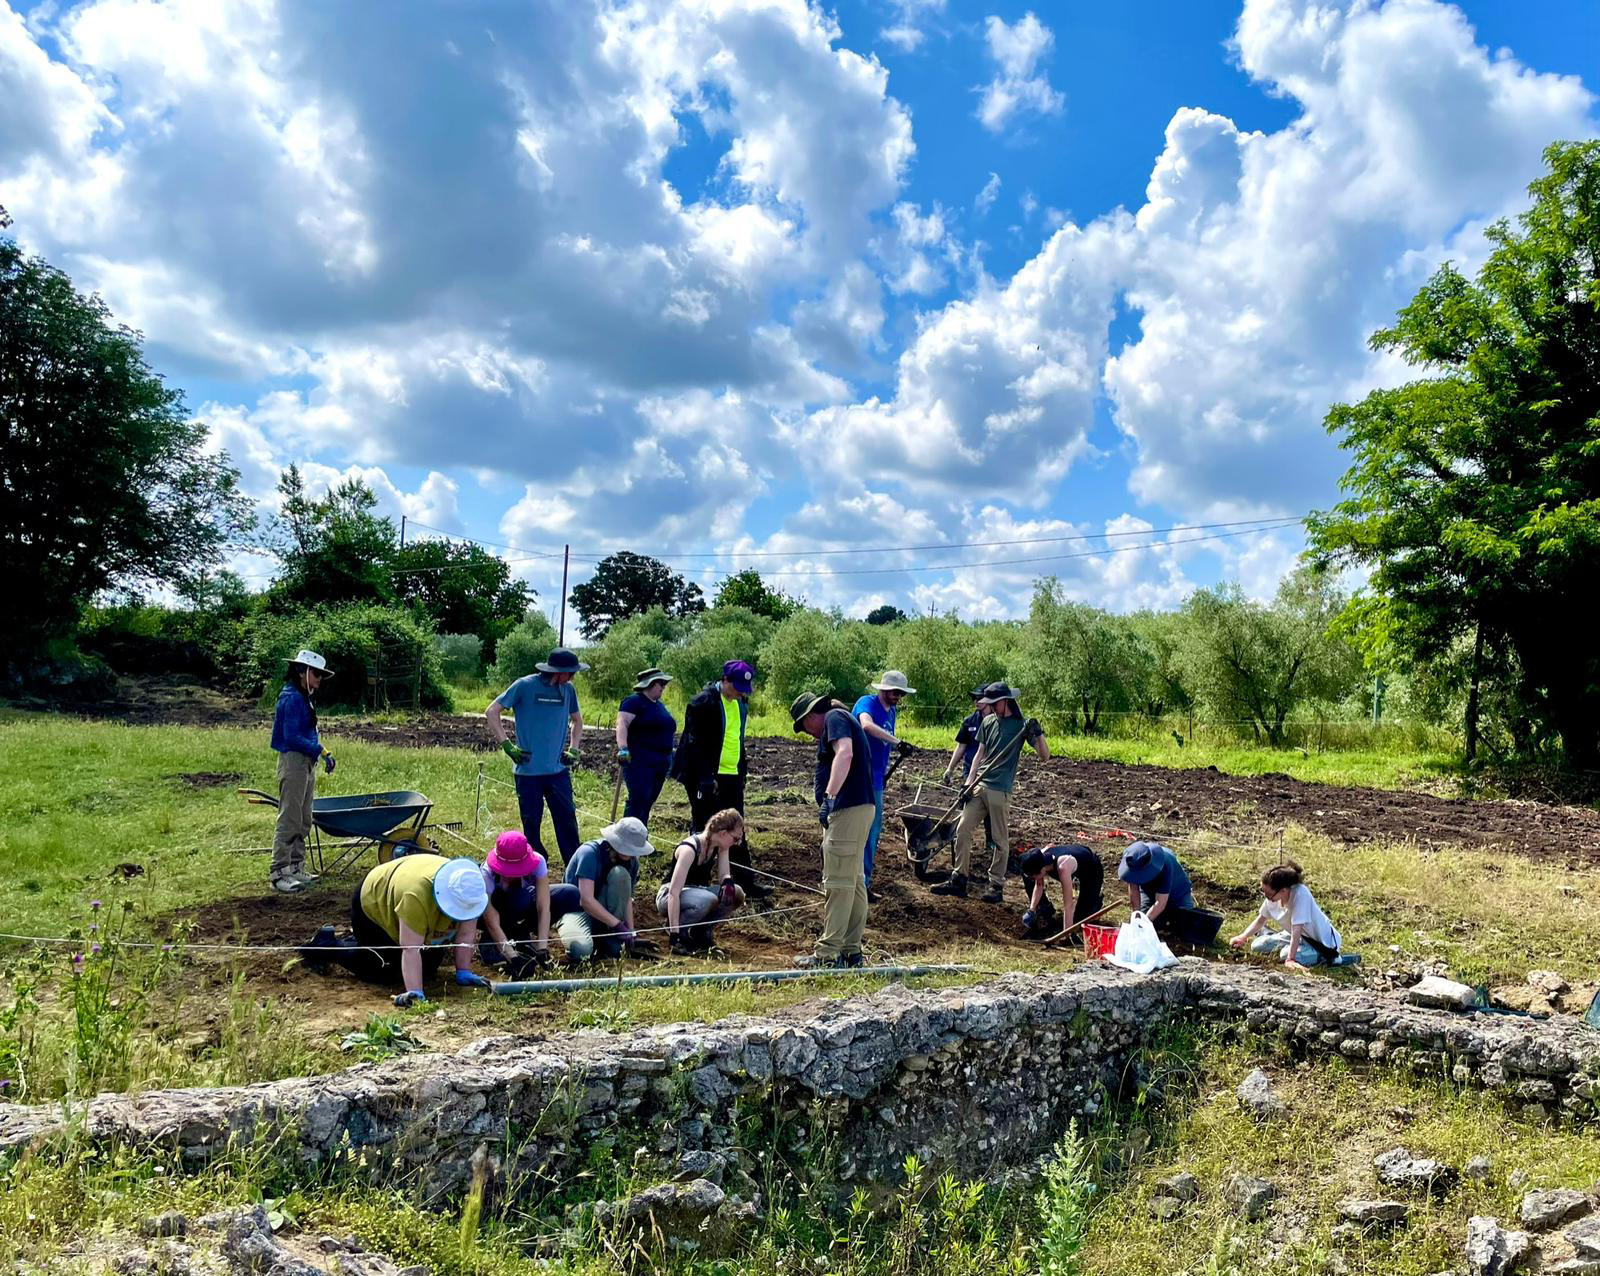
[639, 642]
[944, 659]
[139, 638]
[522, 649]
[460, 656]
[357, 640]
[815, 652]
[720, 635]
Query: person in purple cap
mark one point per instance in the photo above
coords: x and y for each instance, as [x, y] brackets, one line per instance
[710, 761]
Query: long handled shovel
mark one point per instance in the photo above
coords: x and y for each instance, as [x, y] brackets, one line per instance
[1054, 938]
[971, 786]
[616, 794]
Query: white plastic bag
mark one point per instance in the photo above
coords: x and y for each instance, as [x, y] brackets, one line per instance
[1139, 948]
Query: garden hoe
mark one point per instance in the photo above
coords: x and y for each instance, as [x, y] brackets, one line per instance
[1092, 917]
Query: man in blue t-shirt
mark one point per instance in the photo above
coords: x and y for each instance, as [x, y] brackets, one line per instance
[549, 729]
[1156, 881]
[845, 804]
[878, 715]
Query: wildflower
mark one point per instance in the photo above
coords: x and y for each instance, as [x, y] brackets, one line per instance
[94, 905]
[77, 961]
[166, 948]
[94, 928]
[94, 950]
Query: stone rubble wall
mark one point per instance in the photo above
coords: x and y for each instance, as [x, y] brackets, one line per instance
[976, 1079]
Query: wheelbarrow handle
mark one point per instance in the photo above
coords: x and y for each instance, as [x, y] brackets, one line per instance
[1092, 916]
[257, 798]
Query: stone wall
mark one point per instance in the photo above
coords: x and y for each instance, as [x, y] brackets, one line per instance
[975, 1078]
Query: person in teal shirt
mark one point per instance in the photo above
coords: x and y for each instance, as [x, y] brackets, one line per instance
[549, 729]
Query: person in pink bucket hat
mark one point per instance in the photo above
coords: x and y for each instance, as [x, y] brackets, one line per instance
[517, 921]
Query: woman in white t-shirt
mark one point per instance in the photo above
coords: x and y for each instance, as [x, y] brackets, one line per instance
[1294, 925]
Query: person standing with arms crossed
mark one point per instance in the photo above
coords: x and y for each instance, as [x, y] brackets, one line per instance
[549, 729]
[844, 805]
[1000, 741]
[878, 715]
[711, 762]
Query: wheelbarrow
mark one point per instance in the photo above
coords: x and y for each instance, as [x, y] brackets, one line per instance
[390, 823]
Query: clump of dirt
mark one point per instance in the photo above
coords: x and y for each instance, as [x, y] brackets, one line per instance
[209, 779]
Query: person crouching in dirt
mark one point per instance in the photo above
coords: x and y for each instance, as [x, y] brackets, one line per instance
[1000, 741]
[404, 916]
[845, 806]
[594, 906]
[711, 762]
[1081, 875]
[516, 924]
[1157, 883]
[1290, 923]
[294, 736]
[687, 899]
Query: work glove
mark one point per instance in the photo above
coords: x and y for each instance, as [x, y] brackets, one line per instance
[508, 951]
[1030, 921]
[569, 758]
[949, 774]
[628, 937]
[1031, 729]
[679, 947]
[825, 810]
[730, 893]
[411, 997]
[904, 746]
[327, 762]
[470, 979]
[705, 789]
[624, 755]
[510, 749]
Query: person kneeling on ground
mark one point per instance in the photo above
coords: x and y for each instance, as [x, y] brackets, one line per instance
[845, 805]
[404, 916]
[1291, 920]
[517, 921]
[1158, 884]
[687, 899]
[1081, 875]
[595, 904]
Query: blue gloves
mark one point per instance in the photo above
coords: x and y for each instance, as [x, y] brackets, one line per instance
[1030, 920]
[825, 809]
[409, 999]
[327, 762]
[467, 979]
[624, 755]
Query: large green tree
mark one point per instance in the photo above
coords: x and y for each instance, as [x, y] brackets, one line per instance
[105, 480]
[332, 548]
[463, 587]
[626, 584]
[1474, 497]
[748, 590]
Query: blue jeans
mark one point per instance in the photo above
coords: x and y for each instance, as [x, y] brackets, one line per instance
[534, 793]
[874, 832]
[581, 935]
[1275, 943]
[644, 780]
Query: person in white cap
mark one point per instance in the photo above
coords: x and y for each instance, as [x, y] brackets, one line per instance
[603, 873]
[294, 736]
[404, 916]
[879, 714]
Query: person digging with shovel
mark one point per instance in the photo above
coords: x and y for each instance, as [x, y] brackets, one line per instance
[294, 737]
[1082, 877]
[1000, 742]
[843, 791]
[549, 729]
[687, 899]
[878, 715]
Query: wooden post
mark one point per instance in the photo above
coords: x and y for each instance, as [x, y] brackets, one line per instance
[402, 531]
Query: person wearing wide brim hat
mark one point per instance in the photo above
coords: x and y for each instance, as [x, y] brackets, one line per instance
[645, 730]
[845, 805]
[594, 904]
[994, 771]
[516, 924]
[711, 761]
[405, 915]
[879, 715]
[1157, 883]
[299, 749]
[549, 732]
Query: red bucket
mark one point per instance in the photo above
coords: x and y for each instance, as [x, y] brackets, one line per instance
[1099, 941]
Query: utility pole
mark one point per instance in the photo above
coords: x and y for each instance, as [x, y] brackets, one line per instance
[566, 557]
[402, 531]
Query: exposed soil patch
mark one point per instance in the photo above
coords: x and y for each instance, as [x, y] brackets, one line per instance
[210, 779]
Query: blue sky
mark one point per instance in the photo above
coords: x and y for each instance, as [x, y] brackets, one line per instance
[748, 280]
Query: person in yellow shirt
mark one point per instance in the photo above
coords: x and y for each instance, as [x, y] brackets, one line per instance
[404, 916]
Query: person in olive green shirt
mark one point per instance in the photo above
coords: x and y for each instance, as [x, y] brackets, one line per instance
[404, 916]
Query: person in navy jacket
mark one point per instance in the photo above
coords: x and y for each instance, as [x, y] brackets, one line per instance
[294, 736]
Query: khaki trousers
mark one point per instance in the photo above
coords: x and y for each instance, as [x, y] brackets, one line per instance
[844, 882]
[994, 803]
[297, 785]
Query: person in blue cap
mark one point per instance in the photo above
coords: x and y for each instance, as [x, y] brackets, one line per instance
[549, 730]
[1156, 881]
[711, 763]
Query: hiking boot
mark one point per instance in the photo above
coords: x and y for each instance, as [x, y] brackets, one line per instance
[304, 878]
[816, 961]
[955, 885]
[872, 896]
[854, 960]
[288, 884]
[993, 895]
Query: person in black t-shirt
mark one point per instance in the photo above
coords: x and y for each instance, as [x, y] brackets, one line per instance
[846, 804]
[645, 728]
[1082, 879]
[687, 899]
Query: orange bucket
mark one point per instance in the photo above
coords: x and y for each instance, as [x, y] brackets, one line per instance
[1099, 941]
